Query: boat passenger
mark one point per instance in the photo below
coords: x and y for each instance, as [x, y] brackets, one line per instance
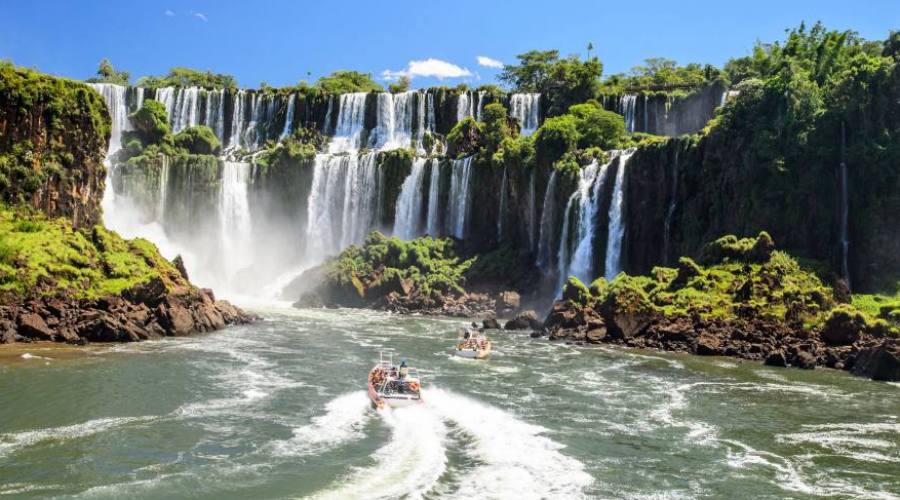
[404, 370]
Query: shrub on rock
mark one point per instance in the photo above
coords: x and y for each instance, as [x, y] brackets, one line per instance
[199, 140]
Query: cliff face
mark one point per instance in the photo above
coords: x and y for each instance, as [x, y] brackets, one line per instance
[746, 176]
[53, 138]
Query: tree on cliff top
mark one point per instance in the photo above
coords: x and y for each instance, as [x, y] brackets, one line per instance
[343, 82]
[106, 73]
[187, 77]
[564, 82]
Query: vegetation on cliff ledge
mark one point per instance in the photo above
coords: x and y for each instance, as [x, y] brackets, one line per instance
[40, 257]
[735, 280]
[426, 268]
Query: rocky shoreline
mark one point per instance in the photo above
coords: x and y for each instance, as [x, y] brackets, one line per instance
[142, 313]
[838, 346]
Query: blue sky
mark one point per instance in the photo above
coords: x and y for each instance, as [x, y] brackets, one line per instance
[280, 41]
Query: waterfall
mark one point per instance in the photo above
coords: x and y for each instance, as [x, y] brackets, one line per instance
[289, 118]
[166, 97]
[409, 203]
[459, 196]
[234, 217]
[627, 105]
[616, 224]
[479, 105]
[327, 124]
[646, 117]
[502, 209]
[584, 201]
[360, 195]
[341, 205]
[394, 121]
[434, 194]
[429, 104]
[670, 213]
[548, 216]
[163, 189]
[186, 112]
[237, 121]
[350, 123]
[215, 113]
[532, 212]
[251, 133]
[139, 100]
[845, 209]
[114, 96]
[469, 104]
[526, 108]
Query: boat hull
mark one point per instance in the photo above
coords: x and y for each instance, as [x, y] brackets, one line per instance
[473, 353]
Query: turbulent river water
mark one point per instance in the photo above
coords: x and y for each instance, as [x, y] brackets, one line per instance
[278, 410]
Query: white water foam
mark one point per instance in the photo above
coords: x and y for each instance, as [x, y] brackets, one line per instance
[408, 466]
[517, 459]
[13, 441]
[342, 422]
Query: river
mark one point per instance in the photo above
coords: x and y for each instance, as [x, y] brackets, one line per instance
[277, 409]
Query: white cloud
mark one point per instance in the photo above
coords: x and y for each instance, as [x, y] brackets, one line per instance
[200, 16]
[487, 62]
[429, 67]
[169, 13]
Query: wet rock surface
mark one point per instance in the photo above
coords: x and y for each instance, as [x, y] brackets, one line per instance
[844, 345]
[147, 313]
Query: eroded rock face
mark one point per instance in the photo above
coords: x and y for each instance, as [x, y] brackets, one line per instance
[117, 319]
[524, 321]
[880, 362]
[773, 342]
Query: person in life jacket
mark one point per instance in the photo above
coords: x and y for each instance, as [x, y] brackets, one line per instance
[404, 369]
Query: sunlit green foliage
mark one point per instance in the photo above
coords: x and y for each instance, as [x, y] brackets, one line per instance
[199, 140]
[106, 73]
[187, 77]
[70, 119]
[430, 263]
[563, 82]
[343, 82]
[40, 256]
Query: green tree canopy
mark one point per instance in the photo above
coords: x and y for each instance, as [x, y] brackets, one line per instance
[343, 82]
[199, 140]
[565, 81]
[187, 77]
[106, 73]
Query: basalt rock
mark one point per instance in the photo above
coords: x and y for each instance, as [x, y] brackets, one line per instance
[117, 319]
[524, 321]
[880, 362]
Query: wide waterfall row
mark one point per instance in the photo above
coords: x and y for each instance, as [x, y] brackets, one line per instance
[244, 120]
[341, 195]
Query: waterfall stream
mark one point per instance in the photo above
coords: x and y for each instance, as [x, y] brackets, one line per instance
[526, 108]
[586, 199]
[234, 215]
[502, 209]
[670, 213]
[613, 263]
[547, 231]
[459, 196]
[409, 203]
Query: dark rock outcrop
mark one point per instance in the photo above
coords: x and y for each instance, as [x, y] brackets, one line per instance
[117, 319]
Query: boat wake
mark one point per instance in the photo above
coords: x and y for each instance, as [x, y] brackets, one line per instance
[343, 421]
[508, 458]
[409, 465]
